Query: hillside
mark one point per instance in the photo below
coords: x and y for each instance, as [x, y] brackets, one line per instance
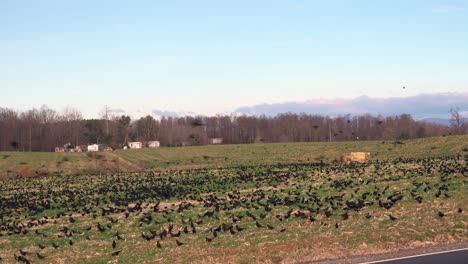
[44, 163]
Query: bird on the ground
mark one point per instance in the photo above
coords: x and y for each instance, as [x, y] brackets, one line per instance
[179, 243]
[40, 256]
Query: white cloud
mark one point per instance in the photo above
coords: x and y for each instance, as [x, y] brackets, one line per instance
[445, 10]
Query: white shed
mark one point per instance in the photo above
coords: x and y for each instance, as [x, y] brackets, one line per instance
[135, 145]
[94, 147]
[153, 144]
[216, 140]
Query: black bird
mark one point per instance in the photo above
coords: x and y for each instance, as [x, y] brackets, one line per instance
[114, 244]
[270, 227]
[345, 216]
[460, 210]
[239, 229]
[282, 230]
[258, 224]
[41, 246]
[70, 242]
[158, 244]
[116, 253]
[179, 243]
[392, 217]
[40, 256]
[176, 234]
[208, 239]
[441, 214]
[55, 245]
[336, 225]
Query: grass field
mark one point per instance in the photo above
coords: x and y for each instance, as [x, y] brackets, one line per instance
[31, 164]
[271, 203]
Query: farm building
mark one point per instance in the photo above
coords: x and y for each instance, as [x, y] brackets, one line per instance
[97, 147]
[135, 145]
[82, 148]
[59, 149]
[216, 140]
[94, 147]
[153, 144]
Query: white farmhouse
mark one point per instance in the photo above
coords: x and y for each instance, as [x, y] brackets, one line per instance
[153, 144]
[135, 145]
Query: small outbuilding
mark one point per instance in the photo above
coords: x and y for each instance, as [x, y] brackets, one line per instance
[94, 147]
[215, 141]
[59, 149]
[153, 144]
[81, 148]
[135, 145]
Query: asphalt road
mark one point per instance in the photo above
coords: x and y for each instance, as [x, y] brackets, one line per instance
[458, 256]
[443, 253]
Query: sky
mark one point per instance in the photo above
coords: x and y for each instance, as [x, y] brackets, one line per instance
[210, 57]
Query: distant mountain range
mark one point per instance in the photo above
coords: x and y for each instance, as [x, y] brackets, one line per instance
[440, 121]
[433, 107]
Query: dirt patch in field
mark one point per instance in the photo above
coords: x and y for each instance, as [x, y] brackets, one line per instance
[27, 172]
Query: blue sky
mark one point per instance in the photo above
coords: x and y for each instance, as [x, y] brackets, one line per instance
[213, 57]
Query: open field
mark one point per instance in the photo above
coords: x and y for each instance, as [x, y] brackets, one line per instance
[270, 213]
[42, 163]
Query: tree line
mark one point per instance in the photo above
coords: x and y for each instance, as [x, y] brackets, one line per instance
[43, 129]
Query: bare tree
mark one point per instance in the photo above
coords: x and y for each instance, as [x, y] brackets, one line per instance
[72, 117]
[105, 114]
[457, 121]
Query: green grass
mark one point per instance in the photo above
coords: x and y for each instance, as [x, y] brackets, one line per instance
[24, 163]
[254, 174]
[416, 222]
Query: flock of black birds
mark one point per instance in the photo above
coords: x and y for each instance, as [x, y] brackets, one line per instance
[178, 207]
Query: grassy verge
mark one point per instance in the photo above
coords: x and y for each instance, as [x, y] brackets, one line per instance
[32, 164]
